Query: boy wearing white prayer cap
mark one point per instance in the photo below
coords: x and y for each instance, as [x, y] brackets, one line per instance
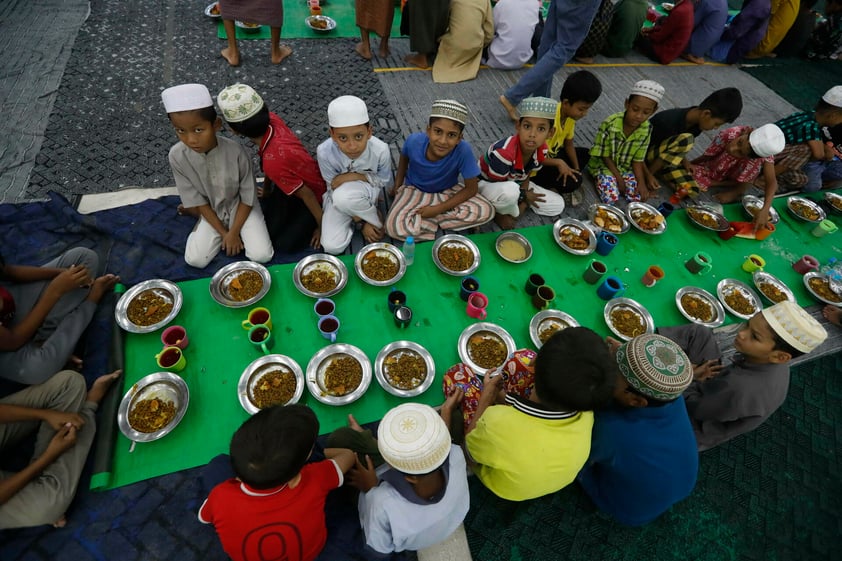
[356, 167]
[725, 401]
[214, 179]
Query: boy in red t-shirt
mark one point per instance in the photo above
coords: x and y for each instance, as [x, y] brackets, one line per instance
[274, 507]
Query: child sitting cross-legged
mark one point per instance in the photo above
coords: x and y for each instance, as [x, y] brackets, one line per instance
[429, 195]
[506, 166]
[528, 428]
[619, 150]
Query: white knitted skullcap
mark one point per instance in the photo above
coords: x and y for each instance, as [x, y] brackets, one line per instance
[347, 111]
[767, 140]
[413, 439]
[833, 96]
[795, 326]
[239, 102]
[186, 97]
[649, 88]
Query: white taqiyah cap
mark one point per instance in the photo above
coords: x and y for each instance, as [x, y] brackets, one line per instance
[347, 111]
[649, 88]
[239, 102]
[413, 439]
[767, 140]
[186, 97]
[795, 326]
[833, 96]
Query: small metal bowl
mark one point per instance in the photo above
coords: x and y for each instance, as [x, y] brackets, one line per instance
[708, 298]
[456, 240]
[319, 363]
[612, 212]
[547, 319]
[263, 365]
[760, 278]
[695, 214]
[823, 278]
[248, 27]
[793, 202]
[165, 289]
[834, 202]
[727, 286]
[329, 23]
[633, 306]
[210, 14]
[752, 204]
[395, 350]
[165, 386]
[223, 293]
[484, 330]
[636, 209]
[576, 227]
[516, 242]
[381, 250]
[324, 262]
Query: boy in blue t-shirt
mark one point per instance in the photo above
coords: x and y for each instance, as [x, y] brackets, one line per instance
[429, 195]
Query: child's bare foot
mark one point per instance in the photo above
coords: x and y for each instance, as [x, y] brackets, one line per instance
[61, 522]
[279, 54]
[233, 58]
[510, 109]
[384, 51]
[74, 363]
[363, 50]
[833, 315]
[353, 424]
[419, 60]
[584, 59]
[505, 221]
[693, 58]
[102, 285]
[101, 385]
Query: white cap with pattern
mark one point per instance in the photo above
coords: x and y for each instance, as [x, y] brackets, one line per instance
[347, 111]
[833, 96]
[795, 326]
[413, 439]
[239, 102]
[186, 97]
[649, 88]
[767, 140]
[450, 109]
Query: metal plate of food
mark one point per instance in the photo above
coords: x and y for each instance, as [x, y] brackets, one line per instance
[404, 369]
[627, 318]
[706, 218]
[738, 298]
[513, 247]
[320, 275]
[240, 284]
[456, 255]
[752, 204]
[818, 286]
[484, 346]
[270, 380]
[574, 236]
[247, 26]
[772, 288]
[699, 306]
[805, 209]
[646, 218]
[609, 218]
[148, 306]
[834, 202]
[380, 264]
[321, 24]
[338, 374]
[545, 323]
[212, 11]
[153, 407]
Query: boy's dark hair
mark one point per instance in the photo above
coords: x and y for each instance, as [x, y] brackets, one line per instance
[823, 106]
[726, 104]
[206, 113]
[255, 126]
[574, 370]
[434, 119]
[550, 122]
[632, 96]
[650, 401]
[272, 446]
[581, 86]
[781, 345]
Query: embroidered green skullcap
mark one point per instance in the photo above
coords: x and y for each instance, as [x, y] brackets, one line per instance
[541, 107]
[239, 102]
[655, 366]
[450, 109]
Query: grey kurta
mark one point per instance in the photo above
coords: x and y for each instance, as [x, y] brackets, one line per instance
[735, 402]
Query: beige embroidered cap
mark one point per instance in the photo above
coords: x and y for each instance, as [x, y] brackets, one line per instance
[413, 439]
[795, 326]
[239, 102]
[649, 88]
[450, 109]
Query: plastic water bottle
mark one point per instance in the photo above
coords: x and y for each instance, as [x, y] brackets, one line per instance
[409, 250]
[834, 275]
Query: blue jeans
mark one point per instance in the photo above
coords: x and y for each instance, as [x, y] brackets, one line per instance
[567, 24]
[819, 172]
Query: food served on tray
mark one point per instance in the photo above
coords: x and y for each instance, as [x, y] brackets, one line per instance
[150, 415]
[738, 302]
[821, 287]
[702, 217]
[698, 307]
[318, 23]
[512, 249]
[319, 280]
[646, 219]
[487, 350]
[214, 11]
[245, 286]
[549, 328]
[772, 291]
[149, 307]
[607, 220]
[834, 200]
[250, 25]
[628, 322]
[456, 257]
[574, 237]
[804, 210]
[405, 370]
[379, 267]
[276, 387]
[342, 376]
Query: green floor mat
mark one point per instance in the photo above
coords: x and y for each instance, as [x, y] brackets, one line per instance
[219, 350]
[800, 82]
[296, 11]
